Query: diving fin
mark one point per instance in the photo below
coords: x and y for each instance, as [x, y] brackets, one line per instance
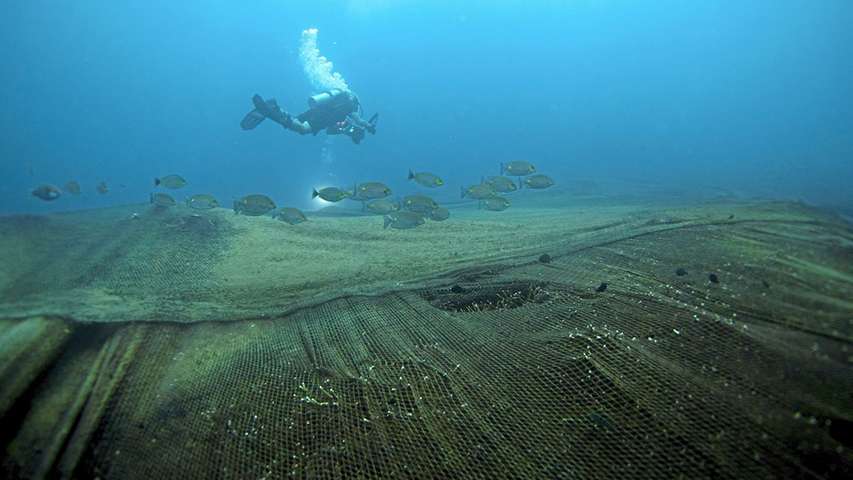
[263, 106]
[252, 120]
[269, 109]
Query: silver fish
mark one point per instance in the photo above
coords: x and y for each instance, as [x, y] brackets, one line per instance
[538, 181]
[331, 194]
[382, 206]
[254, 205]
[501, 184]
[202, 201]
[478, 192]
[403, 220]
[72, 187]
[439, 214]
[290, 215]
[171, 181]
[371, 191]
[426, 179]
[47, 192]
[517, 168]
[419, 204]
[162, 200]
[496, 204]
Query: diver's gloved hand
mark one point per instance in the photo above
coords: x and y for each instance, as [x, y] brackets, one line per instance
[371, 124]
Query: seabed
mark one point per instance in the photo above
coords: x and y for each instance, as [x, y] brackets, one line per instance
[185, 345]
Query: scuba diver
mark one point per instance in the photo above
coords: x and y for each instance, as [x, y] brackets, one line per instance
[336, 111]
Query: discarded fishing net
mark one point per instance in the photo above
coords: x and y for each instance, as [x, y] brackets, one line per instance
[223, 346]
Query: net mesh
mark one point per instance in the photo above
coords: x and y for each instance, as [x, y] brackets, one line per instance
[489, 363]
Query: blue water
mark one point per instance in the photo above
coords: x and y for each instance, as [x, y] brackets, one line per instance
[749, 97]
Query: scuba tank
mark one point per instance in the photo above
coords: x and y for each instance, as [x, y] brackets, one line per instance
[325, 99]
[329, 108]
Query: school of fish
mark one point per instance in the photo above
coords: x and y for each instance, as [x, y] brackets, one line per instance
[404, 213]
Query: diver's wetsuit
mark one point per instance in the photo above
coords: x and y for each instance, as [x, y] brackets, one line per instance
[335, 111]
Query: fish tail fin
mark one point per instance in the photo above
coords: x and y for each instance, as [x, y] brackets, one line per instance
[462, 191]
[156, 182]
[314, 193]
[387, 221]
[411, 175]
[502, 168]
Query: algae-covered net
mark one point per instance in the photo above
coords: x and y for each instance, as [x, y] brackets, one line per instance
[651, 341]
